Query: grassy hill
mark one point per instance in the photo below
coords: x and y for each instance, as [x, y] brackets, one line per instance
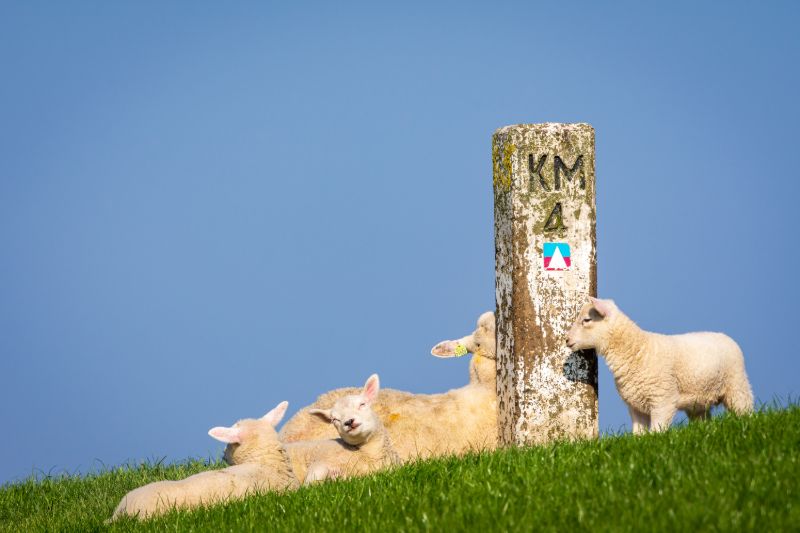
[728, 474]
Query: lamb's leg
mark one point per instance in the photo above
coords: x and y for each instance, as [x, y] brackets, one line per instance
[316, 472]
[639, 421]
[335, 473]
[698, 412]
[739, 396]
[661, 416]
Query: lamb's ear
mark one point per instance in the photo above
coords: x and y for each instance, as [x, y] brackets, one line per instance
[276, 415]
[226, 435]
[604, 307]
[322, 413]
[449, 349]
[371, 388]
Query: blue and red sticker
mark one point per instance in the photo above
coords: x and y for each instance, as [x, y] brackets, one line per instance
[556, 256]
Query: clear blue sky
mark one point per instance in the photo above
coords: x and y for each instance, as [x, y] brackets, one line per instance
[206, 209]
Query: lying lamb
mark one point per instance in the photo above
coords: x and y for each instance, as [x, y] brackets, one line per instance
[424, 425]
[260, 460]
[364, 445]
[658, 374]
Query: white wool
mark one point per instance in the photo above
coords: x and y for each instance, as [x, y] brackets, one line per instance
[657, 375]
[260, 464]
[425, 425]
[363, 445]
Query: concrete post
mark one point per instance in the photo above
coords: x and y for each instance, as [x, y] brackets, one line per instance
[545, 266]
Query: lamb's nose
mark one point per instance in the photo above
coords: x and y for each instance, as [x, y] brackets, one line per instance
[349, 423]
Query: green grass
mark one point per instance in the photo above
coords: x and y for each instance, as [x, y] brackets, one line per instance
[727, 474]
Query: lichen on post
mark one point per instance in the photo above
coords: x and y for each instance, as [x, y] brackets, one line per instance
[545, 266]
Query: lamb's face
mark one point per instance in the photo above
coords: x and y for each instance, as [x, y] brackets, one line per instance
[483, 338]
[591, 327]
[352, 415]
[354, 419]
[480, 342]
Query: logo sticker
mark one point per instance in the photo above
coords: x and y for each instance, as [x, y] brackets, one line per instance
[556, 256]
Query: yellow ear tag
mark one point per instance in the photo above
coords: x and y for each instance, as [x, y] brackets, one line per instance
[461, 350]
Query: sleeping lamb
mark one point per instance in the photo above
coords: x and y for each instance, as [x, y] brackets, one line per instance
[656, 375]
[424, 425]
[260, 460]
[363, 445]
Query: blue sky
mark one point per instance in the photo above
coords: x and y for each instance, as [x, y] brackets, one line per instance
[206, 209]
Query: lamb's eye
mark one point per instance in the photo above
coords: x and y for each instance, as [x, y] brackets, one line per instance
[362, 405]
[587, 320]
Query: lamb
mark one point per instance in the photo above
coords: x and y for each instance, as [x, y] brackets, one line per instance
[425, 425]
[363, 445]
[656, 375]
[261, 464]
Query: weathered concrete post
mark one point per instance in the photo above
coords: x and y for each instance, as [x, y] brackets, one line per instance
[545, 266]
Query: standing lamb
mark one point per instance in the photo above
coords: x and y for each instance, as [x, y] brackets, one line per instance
[364, 445]
[261, 464]
[656, 375]
[424, 425]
